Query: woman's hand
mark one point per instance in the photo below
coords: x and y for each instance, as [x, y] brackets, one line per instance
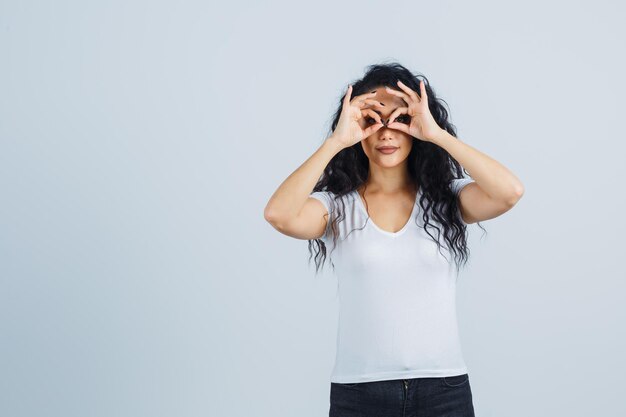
[423, 126]
[348, 130]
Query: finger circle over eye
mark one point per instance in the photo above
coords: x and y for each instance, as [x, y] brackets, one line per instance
[399, 111]
[371, 113]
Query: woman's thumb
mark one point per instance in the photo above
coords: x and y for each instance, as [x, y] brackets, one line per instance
[346, 99]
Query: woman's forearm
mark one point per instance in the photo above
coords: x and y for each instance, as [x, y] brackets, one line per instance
[494, 178]
[291, 195]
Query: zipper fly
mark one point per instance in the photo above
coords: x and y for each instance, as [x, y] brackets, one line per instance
[406, 395]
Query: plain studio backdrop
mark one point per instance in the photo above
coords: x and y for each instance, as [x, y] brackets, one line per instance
[141, 141]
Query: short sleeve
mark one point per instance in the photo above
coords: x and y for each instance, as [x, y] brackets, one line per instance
[325, 197]
[456, 185]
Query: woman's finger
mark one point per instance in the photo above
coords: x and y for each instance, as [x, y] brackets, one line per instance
[400, 94]
[373, 128]
[409, 91]
[367, 132]
[346, 98]
[372, 114]
[399, 126]
[359, 99]
[397, 112]
[364, 103]
[423, 90]
[374, 103]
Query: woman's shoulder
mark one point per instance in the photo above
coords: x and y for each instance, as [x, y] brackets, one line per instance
[330, 199]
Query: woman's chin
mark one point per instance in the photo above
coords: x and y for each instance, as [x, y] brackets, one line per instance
[388, 162]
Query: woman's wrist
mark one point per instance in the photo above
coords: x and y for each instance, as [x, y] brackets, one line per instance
[334, 144]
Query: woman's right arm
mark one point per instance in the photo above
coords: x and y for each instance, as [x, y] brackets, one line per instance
[290, 210]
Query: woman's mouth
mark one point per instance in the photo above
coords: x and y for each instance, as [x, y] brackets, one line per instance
[387, 149]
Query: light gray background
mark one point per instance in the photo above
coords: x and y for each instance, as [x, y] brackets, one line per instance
[140, 142]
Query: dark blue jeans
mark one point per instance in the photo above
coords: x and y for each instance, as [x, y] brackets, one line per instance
[449, 396]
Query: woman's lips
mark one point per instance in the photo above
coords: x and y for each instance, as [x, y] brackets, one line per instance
[387, 150]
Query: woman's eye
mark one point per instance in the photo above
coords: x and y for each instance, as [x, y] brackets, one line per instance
[403, 118]
[369, 120]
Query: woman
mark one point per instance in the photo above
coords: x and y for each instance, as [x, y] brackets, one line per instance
[393, 205]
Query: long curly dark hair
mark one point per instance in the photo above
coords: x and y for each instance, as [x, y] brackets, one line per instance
[429, 165]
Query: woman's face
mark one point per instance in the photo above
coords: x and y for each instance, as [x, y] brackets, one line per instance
[386, 136]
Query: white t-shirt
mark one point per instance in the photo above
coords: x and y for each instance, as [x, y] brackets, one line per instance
[397, 297]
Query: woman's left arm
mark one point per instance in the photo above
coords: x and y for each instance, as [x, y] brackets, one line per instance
[495, 190]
